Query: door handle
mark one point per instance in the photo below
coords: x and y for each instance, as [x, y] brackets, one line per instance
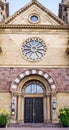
[34, 114]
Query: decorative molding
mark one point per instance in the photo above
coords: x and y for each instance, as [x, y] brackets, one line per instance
[15, 83]
[4, 26]
[39, 49]
[67, 50]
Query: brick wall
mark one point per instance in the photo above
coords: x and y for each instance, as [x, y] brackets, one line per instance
[60, 77]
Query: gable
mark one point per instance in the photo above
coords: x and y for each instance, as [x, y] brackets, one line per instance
[45, 17]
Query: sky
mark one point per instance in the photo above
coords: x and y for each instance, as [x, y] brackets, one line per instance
[52, 5]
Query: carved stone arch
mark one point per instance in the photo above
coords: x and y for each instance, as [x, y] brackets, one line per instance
[33, 72]
[41, 80]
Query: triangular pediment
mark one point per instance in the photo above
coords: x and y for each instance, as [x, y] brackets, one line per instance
[34, 8]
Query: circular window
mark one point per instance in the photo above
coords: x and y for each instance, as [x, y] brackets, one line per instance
[34, 18]
[34, 49]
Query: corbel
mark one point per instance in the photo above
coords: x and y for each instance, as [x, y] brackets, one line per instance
[67, 50]
[0, 50]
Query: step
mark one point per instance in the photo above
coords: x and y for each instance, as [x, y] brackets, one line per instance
[34, 125]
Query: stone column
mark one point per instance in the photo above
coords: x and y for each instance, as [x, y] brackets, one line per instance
[45, 109]
[13, 114]
[22, 108]
[53, 107]
[19, 107]
[68, 14]
[48, 108]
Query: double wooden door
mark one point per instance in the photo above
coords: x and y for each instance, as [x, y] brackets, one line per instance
[33, 110]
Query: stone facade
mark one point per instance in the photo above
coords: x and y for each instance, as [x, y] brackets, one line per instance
[64, 10]
[5, 100]
[11, 44]
[4, 10]
[50, 72]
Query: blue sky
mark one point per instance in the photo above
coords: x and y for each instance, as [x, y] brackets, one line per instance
[52, 5]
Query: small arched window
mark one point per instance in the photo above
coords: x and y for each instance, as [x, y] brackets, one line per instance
[34, 88]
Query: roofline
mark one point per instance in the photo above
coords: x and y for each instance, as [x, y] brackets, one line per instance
[40, 6]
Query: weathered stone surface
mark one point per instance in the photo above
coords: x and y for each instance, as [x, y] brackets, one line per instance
[5, 101]
[56, 49]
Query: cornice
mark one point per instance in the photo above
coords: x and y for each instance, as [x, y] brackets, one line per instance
[67, 6]
[49, 12]
[2, 3]
[5, 26]
[33, 67]
[66, 2]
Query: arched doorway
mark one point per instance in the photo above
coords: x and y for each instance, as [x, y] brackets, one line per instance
[30, 90]
[33, 102]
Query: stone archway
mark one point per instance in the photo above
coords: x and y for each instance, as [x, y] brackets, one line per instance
[49, 95]
[42, 73]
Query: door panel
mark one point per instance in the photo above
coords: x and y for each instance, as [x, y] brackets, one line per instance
[38, 110]
[28, 110]
[33, 110]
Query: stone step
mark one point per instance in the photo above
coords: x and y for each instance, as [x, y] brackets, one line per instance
[34, 125]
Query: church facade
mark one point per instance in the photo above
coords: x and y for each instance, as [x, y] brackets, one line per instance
[34, 63]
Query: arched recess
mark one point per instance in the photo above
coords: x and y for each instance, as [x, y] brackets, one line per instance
[49, 93]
